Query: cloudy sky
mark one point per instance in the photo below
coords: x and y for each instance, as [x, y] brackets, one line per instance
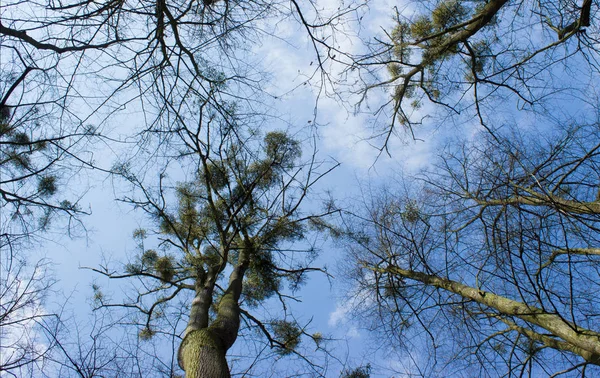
[304, 101]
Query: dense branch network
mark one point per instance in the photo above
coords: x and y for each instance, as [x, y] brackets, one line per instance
[225, 246]
[500, 241]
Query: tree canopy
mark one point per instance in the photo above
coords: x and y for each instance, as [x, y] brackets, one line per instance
[459, 59]
[228, 235]
[482, 261]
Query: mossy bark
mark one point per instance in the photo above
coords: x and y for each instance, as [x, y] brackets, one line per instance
[202, 355]
[567, 335]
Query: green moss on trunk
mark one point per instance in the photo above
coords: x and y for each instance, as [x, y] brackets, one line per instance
[202, 355]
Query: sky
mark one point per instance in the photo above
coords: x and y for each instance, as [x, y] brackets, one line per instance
[343, 133]
[342, 137]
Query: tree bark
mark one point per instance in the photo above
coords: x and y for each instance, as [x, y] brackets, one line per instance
[202, 355]
[582, 341]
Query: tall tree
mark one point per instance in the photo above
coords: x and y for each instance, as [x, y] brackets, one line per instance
[491, 260]
[70, 68]
[226, 237]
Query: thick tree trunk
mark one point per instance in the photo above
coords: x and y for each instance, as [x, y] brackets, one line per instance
[202, 355]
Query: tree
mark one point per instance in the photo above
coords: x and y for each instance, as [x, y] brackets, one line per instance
[41, 339]
[69, 69]
[39, 151]
[35, 158]
[224, 240]
[22, 293]
[491, 259]
[88, 348]
[490, 225]
[148, 55]
[462, 59]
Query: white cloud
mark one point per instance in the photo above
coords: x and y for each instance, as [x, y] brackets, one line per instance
[339, 315]
[339, 319]
[290, 57]
[353, 333]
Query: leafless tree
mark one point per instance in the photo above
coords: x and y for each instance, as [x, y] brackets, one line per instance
[41, 336]
[489, 261]
[40, 150]
[23, 291]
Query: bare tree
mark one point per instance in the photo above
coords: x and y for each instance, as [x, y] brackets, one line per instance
[40, 336]
[490, 261]
[22, 294]
[40, 150]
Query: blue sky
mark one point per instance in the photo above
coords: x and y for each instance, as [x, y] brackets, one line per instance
[343, 133]
[342, 136]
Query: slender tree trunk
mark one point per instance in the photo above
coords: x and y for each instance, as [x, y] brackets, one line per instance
[567, 335]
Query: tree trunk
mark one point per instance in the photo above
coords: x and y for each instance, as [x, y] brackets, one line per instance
[203, 349]
[202, 355]
[569, 336]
